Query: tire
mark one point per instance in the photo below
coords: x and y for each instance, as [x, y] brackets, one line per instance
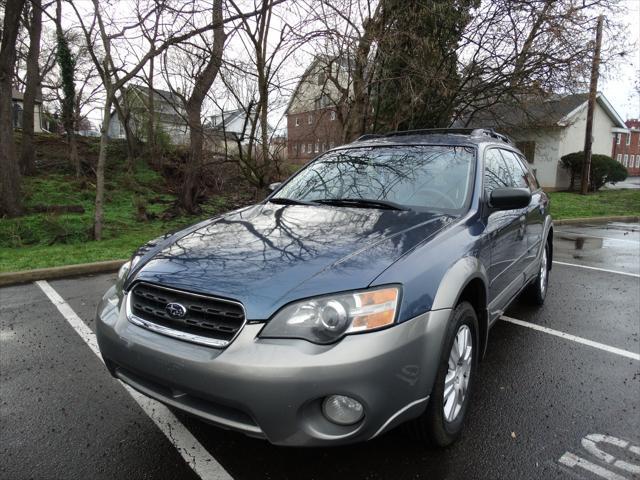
[537, 290]
[438, 425]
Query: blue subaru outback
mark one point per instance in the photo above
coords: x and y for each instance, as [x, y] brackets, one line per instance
[357, 297]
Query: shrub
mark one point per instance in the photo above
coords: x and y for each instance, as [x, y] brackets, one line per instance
[604, 169]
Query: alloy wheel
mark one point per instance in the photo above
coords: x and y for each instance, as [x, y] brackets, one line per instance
[456, 381]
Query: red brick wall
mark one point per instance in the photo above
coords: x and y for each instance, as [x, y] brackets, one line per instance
[315, 130]
[620, 148]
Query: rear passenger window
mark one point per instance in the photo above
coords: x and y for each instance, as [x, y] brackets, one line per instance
[517, 172]
[496, 173]
[533, 181]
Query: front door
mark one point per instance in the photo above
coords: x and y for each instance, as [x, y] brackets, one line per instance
[506, 231]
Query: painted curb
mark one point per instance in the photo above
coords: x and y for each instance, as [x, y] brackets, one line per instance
[12, 278]
[620, 218]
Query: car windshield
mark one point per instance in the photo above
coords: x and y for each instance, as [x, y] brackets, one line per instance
[415, 177]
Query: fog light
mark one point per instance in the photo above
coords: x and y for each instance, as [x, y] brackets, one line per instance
[342, 410]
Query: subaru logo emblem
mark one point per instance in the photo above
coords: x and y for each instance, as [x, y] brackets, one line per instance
[175, 310]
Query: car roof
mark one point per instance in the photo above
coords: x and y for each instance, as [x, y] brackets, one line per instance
[435, 136]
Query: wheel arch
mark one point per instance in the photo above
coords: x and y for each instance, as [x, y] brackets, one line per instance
[467, 280]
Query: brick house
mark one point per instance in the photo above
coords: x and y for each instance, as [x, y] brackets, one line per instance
[313, 123]
[626, 146]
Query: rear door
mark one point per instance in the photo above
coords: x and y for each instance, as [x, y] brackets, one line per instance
[505, 230]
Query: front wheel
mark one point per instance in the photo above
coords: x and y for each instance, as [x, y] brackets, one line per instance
[537, 290]
[442, 422]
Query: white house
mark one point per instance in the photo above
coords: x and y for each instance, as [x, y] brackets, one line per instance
[17, 103]
[169, 113]
[225, 130]
[547, 128]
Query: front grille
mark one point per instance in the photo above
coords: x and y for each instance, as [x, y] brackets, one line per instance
[206, 320]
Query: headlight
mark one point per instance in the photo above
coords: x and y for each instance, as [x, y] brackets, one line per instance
[124, 270]
[123, 273]
[327, 319]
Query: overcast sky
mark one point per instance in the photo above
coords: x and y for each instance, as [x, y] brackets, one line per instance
[618, 86]
[616, 81]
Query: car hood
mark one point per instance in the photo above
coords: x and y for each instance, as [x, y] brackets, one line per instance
[268, 255]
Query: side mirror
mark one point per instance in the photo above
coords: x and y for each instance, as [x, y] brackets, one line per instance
[274, 186]
[509, 198]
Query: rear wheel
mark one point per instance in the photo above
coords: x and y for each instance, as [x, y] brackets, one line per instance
[537, 290]
[442, 422]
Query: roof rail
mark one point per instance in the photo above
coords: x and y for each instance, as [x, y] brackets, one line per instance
[368, 136]
[474, 132]
[490, 132]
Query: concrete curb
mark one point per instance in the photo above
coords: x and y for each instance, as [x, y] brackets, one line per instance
[620, 218]
[12, 278]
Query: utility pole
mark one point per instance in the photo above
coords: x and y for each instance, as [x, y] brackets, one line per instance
[593, 90]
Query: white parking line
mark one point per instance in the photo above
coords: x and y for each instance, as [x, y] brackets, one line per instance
[579, 234]
[196, 456]
[598, 269]
[573, 338]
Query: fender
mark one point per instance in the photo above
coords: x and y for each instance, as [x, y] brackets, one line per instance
[456, 278]
[453, 283]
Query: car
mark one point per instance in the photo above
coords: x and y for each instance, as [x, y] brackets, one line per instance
[358, 296]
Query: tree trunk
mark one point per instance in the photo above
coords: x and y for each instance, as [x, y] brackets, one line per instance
[151, 134]
[102, 160]
[66, 63]
[191, 183]
[73, 153]
[124, 114]
[10, 202]
[356, 123]
[28, 160]
[193, 107]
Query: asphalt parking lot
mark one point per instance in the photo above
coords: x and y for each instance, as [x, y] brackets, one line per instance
[557, 396]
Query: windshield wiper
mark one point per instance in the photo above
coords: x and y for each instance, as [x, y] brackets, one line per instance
[288, 201]
[362, 203]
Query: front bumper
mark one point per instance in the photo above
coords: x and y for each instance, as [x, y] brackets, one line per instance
[272, 388]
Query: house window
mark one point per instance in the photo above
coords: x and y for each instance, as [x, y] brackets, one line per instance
[637, 161]
[324, 147]
[297, 121]
[333, 115]
[619, 158]
[309, 147]
[310, 119]
[303, 148]
[321, 78]
[625, 162]
[631, 161]
[618, 135]
[628, 138]
[528, 149]
[332, 144]
[317, 147]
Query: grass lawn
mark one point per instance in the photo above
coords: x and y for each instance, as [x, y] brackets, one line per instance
[600, 204]
[45, 240]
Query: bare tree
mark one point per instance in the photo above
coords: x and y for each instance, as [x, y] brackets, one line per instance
[516, 50]
[67, 66]
[193, 106]
[256, 83]
[10, 201]
[104, 35]
[33, 80]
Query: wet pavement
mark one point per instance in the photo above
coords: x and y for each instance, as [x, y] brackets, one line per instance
[543, 407]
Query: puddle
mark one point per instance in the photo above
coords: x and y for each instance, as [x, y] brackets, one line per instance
[582, 243]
